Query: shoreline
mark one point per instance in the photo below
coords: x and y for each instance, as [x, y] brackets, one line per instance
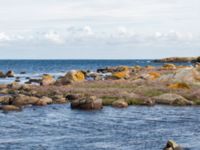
[119, 87]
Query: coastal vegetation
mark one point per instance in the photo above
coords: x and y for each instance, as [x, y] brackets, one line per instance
[119, 86]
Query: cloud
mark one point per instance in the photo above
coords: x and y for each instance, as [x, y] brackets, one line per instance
[4, 37]
[54, 37]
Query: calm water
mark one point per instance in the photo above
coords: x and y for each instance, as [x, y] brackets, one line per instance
[35, 68]
[135, 128]
[59, 127]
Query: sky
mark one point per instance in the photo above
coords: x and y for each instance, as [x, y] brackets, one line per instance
[99, 29]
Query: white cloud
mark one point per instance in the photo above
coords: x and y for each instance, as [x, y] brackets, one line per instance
[4, 37]
[54, 37]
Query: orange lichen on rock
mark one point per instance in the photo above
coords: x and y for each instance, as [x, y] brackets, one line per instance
[154, 75]
[178, 86]
[121, 75]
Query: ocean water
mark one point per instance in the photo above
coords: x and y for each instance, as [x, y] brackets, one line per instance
[35, 68]
[57, 127]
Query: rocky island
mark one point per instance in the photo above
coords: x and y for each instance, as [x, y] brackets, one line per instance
[119, 87]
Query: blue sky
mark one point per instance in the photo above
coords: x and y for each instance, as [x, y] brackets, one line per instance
[99, 29]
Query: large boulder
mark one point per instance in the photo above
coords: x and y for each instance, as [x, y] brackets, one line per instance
[172, 145]
[71, 76]
[47, 80]
[187, 75]
[88, 103]
[120, 103]
[10, 74]
[172, 99]
[5, 99]
[21, 100]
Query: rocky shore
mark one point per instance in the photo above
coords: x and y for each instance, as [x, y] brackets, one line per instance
[119, 87]
[178, 59]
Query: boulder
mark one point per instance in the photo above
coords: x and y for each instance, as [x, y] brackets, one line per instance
[88, 103]
[10, 108]
[120, 103]
[10, 74]
[47, 80]
[2, 75]
[154, 75]
[21, 100]
[6, 99]
[72, 97]
[44, 101]
[179, 85]
[168, 67]
[172, 145]
[187, 75]
[60, 100]
[172, 99]
[70, 77]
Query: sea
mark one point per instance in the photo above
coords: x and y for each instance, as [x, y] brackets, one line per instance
[57, 127]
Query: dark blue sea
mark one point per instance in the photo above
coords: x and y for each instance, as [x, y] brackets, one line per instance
[57, 127]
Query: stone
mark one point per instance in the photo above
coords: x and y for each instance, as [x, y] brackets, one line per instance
[22, 72]
[10, 108]
[72, 97]
[47, 80]
[10, 74]
[70, 77]
[44, 101]
[2, 75]
[60, 101]
[168, 67]
[172, 99]
[172, 145]
[120, 104]
[5, 99]
[87, 103]
[21, 100]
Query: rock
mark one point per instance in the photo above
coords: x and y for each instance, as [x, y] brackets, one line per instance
[14, 86]
[186, 75]
[17, 80]
[44, 101]
[154, 75]
[6, 99]
[10, 74]
[149, 67]
[171, 145]
[178, 86]
[21, 100]
[47, 80]
[120, 104]
[60, 101]
[168, 67]
[23, 72]
[10, 108]
[95, 76]
[34, 81]
[88, 103]
[2, 75]
[70, 77]
[72, 97]
[172, 99]
[121, 75]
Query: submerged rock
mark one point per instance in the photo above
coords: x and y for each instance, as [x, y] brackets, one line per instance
[10, 108]
[120, 103]
[172, 99]
[172, 145]
[89, 103]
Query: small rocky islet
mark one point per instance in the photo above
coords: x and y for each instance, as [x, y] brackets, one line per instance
[119, 87]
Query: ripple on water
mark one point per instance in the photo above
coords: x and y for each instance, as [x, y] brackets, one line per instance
[138, 128]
